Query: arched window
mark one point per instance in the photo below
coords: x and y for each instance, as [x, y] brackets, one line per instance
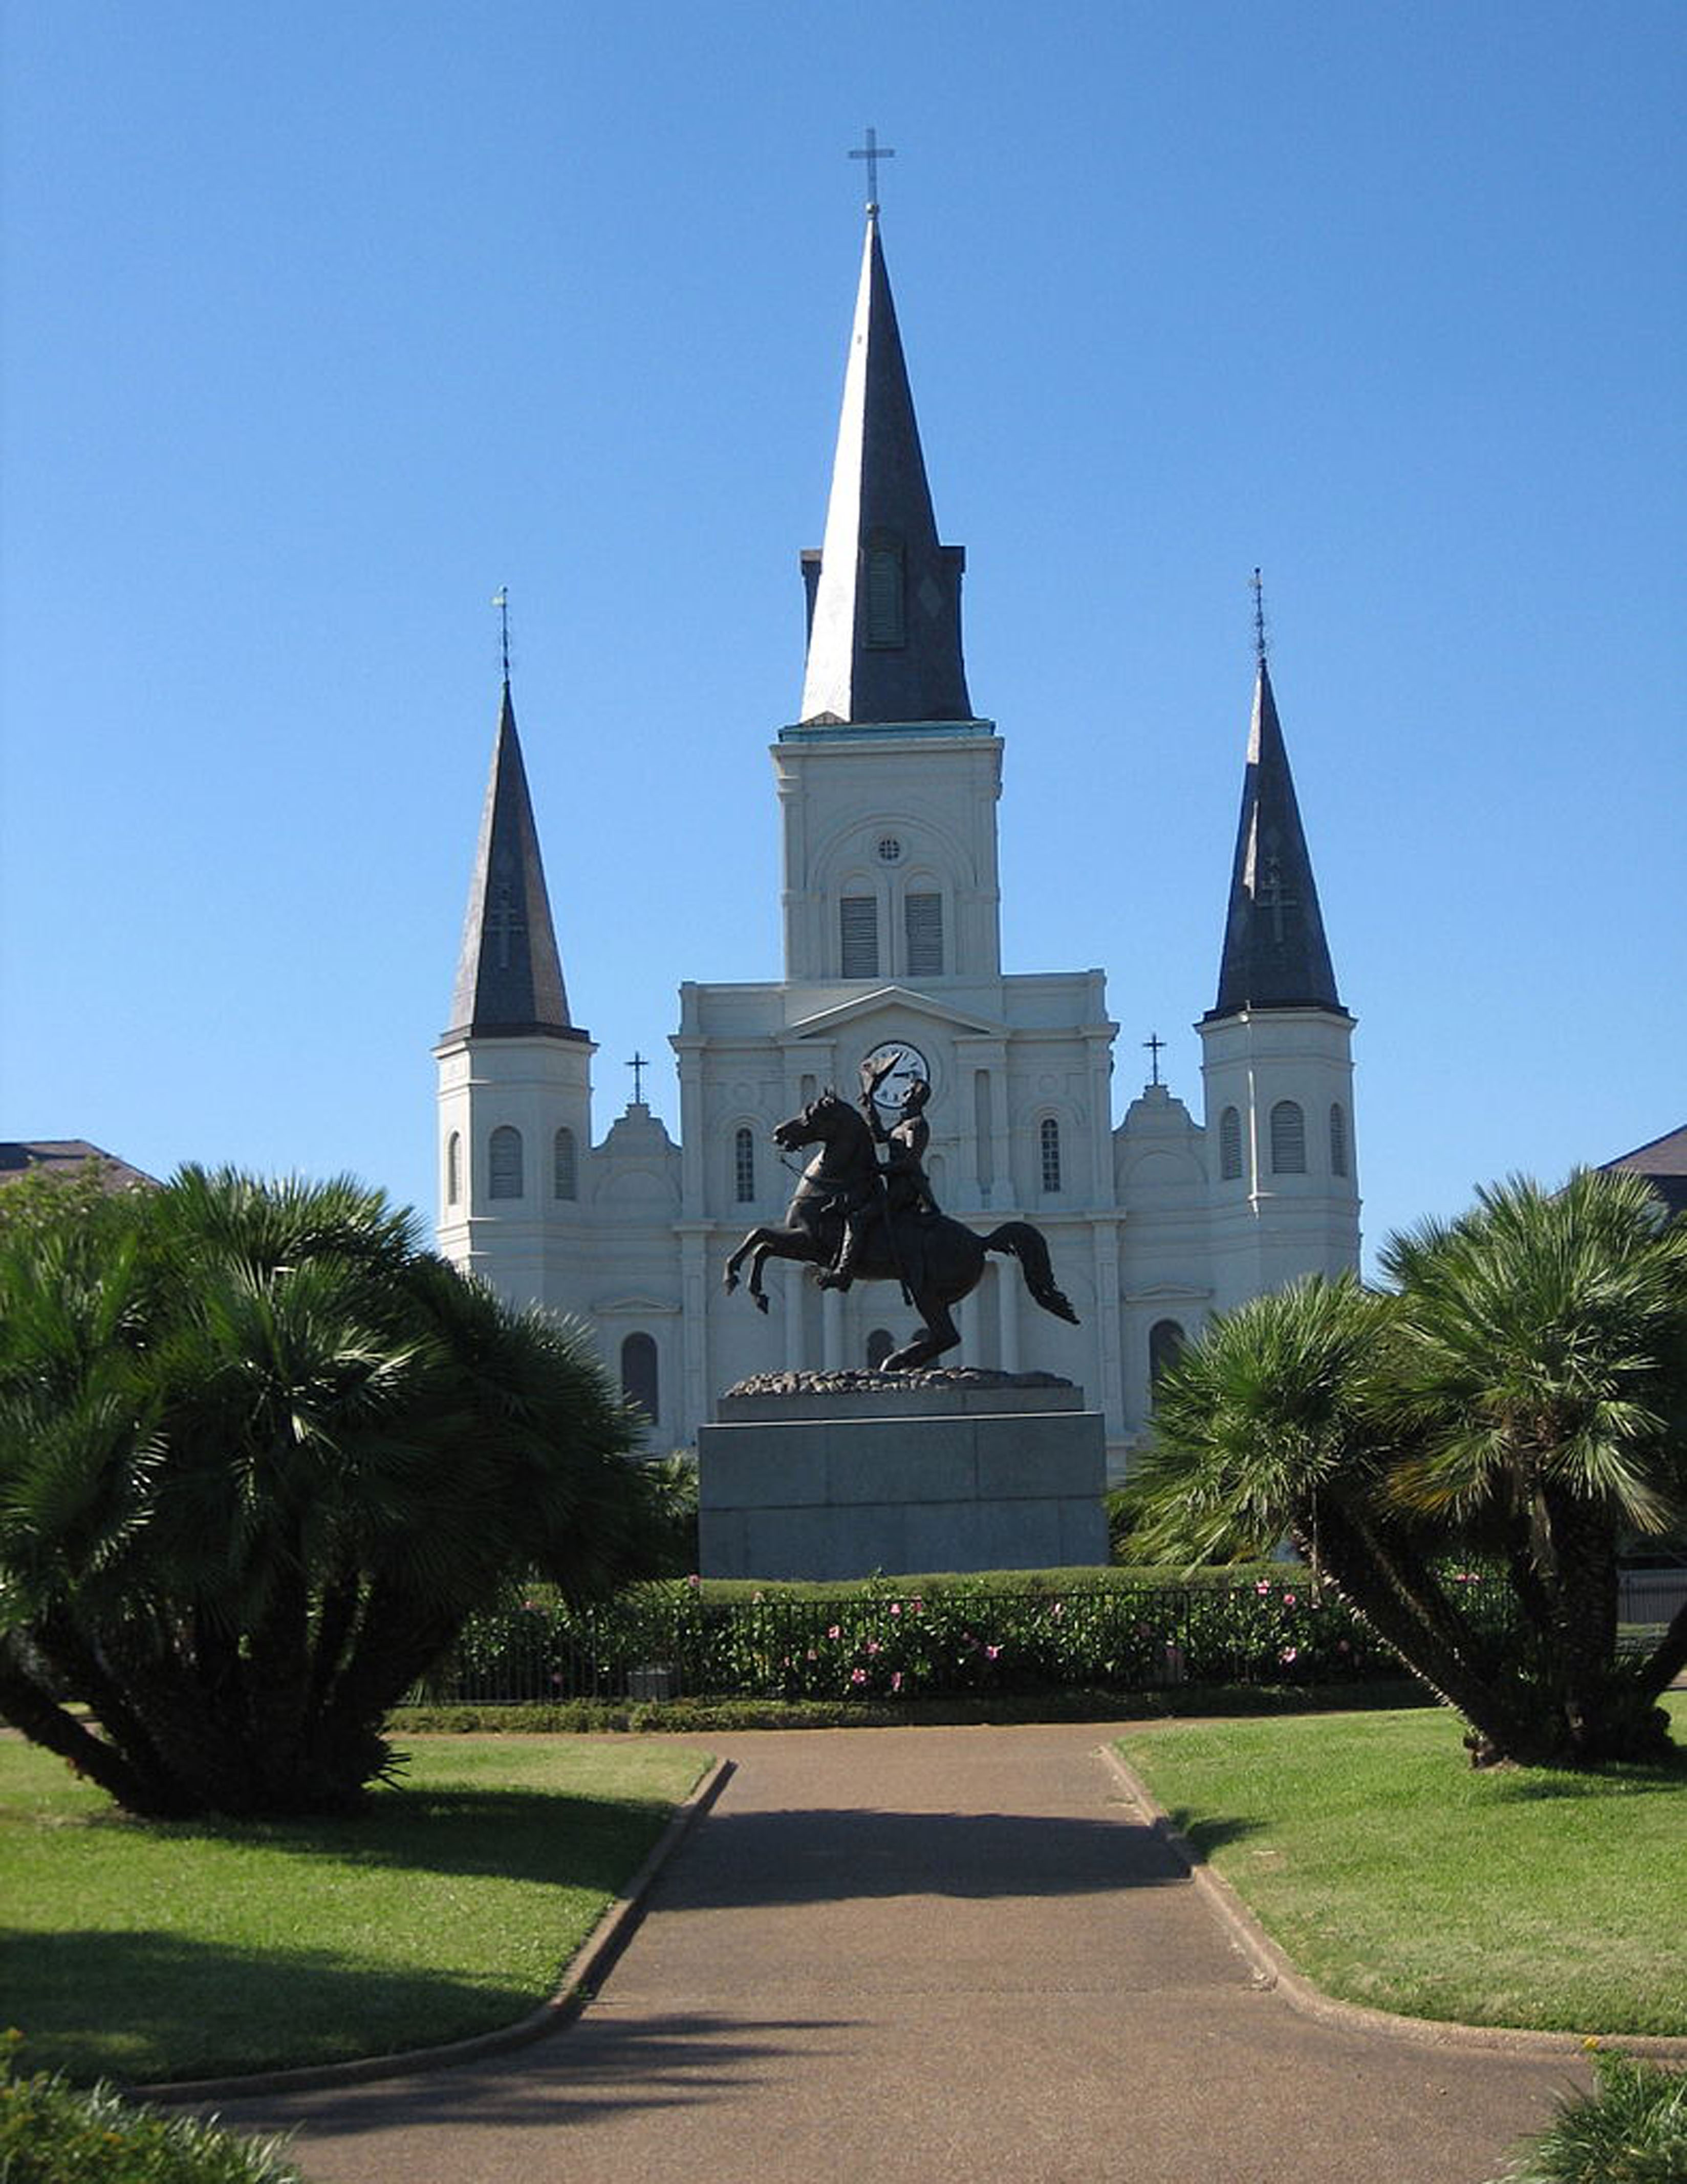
[503, 1168]
[880, 1344]
[1338, 1139]
[564, 1166]
[1049, 1138]
[743, 1166]
[1166, 1340]
[858, 936]
[923, 923]
[638, 1374]
[1288, 1139]
[1229, 1145]
[453, 1169]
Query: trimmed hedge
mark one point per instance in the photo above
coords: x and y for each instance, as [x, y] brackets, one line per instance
[895, 1641]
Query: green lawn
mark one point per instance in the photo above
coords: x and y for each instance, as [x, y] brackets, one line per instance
[155, 1951]
[1395, 1875]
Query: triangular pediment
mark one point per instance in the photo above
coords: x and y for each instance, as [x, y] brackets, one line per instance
[881, 1001]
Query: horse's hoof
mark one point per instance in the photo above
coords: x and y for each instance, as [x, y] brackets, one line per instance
[731, 1282]
[761, 1301]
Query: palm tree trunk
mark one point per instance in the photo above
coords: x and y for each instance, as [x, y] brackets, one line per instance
[29, 1706]
[1396, 1593]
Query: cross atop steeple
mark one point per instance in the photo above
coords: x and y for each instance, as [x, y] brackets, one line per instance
[1257, 587]
[1156, 1047]
[872, 152]
[639, 1064]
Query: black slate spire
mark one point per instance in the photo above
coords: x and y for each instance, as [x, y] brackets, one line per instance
[1275, 953]
[509, 973]
[884, 596]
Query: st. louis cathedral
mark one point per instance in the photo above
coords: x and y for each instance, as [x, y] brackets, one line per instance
[887, 784]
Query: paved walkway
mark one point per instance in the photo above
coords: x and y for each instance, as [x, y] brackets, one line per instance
[943, 1954]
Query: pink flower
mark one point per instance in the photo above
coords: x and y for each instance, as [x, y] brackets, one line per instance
[1289, 1653]
[993, 1652]
[811, 1655]
[914, 1606]
[896, 1607]
[896, 1681]
[858, 1675]
[873, 1646]
[1058, 1610]
[834, 1631]
[693, 1580]
[1288, 1600]
[1263, 1587]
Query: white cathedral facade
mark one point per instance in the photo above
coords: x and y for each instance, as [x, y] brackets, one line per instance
[888, 787]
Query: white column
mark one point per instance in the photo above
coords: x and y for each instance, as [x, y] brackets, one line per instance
[1111, 1395]
[831, 1330]
[694, 1326]
[1007, 1297]
[971, 1329]
[791, 1276]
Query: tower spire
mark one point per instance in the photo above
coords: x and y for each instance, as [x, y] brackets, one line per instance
[1275, 953]
[884, 596]
[509, 971]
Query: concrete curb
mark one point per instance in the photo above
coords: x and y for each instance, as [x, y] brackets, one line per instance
[584, 1974]
[1274, 1969]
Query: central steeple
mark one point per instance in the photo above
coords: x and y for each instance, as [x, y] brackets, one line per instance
[884, 596]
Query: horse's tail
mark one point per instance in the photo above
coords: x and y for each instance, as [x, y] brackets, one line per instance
[1025, 1244]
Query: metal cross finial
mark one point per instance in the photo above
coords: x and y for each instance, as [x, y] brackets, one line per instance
[639, 1064]
[872, 152]
[500, 599]
[1257, 587]
[1156, 1047]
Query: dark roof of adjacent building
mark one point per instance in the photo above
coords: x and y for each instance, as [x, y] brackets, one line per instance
[509, 971]
[1275, 953]
[68, 1157]
[883, 595]
[1663, 1163]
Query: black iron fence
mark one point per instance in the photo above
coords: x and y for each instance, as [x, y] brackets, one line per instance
[890, 1645]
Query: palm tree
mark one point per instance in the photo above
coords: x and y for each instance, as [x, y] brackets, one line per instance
[1543, 1365]
[1280, 1422]
[260, 1456]
[1522, 1394]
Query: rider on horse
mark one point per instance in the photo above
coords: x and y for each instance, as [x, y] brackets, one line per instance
[899, 1190]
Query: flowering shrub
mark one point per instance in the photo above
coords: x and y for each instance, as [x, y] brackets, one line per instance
[882, 1642]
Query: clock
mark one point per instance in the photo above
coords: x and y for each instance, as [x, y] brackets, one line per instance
[908, 1065]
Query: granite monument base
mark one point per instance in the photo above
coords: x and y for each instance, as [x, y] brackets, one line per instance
[835, 1475]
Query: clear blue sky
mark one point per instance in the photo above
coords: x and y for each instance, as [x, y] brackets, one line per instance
[322, 322]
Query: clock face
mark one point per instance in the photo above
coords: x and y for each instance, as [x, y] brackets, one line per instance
[907, 1066]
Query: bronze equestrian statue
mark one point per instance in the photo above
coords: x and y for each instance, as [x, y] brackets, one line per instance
[856, 1221]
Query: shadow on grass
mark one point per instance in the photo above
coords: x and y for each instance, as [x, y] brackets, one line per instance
[149, 2006]
[1206, 1832]
[1628, 1778]
[517, 1834]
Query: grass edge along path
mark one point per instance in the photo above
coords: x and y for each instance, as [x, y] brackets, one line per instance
[162, 1952]
[1397, 1877]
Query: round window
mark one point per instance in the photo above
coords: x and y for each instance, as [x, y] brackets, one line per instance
[890, 849]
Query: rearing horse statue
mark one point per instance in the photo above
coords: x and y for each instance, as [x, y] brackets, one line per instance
[937, 1261]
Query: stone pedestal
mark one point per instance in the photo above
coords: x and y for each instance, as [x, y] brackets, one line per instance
[836, 1475]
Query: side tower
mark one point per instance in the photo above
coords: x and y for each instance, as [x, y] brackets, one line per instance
[1278, 1060]
[514, 1099]
[887, 783]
